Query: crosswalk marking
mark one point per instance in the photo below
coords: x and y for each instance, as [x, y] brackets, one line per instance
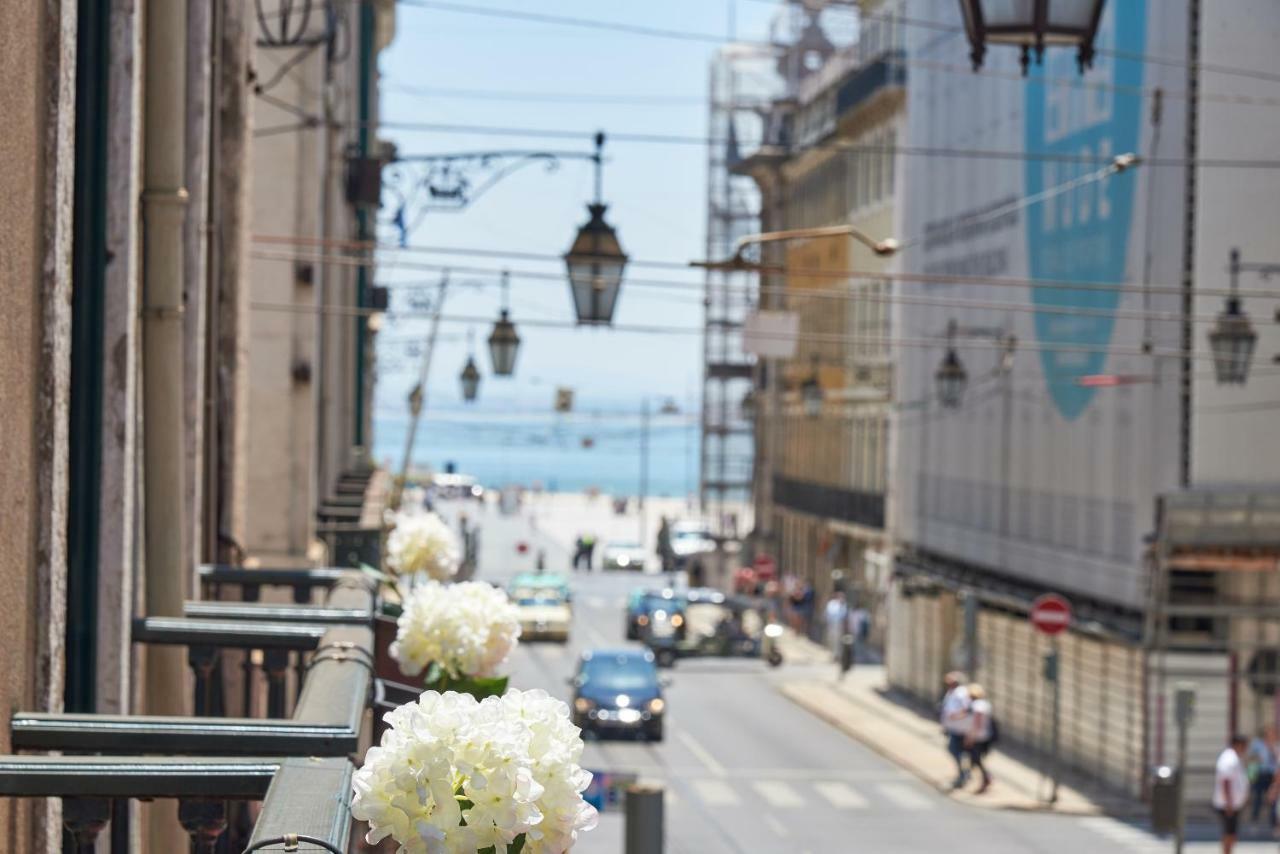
[1132, 838]
[716, 793]
[841, 795]
[903, 796]
[779, 794]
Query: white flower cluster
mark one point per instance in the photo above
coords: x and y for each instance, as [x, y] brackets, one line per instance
[422, 543]
[505, 766]
[467, 629]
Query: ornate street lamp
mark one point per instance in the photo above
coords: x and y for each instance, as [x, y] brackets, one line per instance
[470, 379]
[1032, 25]
[1232, 338]
[748, 405]
[595, 261]
[504, 343]
[951, 376]
[470, 376]
[811, 393]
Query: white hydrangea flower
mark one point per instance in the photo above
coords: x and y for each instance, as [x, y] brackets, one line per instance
[505, 765]
[421, 543]
[467, 629]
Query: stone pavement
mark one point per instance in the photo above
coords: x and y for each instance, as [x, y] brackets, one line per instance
[860, 705]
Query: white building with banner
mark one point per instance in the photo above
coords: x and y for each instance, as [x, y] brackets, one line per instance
[1063, 308]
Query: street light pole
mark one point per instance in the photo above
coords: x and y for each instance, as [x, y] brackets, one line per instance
[418, 397]
[644, 469]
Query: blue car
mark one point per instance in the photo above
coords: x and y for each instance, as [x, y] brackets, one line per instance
[618, 690]
[643, 604]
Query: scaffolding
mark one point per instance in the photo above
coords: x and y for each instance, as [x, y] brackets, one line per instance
[743, 82]
[747, 82]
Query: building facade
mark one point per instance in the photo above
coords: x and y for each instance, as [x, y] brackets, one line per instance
[126, 359]
[1079, 301]
[824, 415]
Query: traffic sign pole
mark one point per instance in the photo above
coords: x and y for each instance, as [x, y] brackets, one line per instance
[1051, 615]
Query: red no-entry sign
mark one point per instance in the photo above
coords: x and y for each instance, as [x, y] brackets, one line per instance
[1051, 614]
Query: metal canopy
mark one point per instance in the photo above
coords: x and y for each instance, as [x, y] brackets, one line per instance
[252, 611]
[135, 777]
[151, 734]
[240, 634]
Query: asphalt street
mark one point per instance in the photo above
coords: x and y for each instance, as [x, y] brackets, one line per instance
[746, 770]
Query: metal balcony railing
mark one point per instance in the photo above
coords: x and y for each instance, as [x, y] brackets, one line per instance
[297, 761]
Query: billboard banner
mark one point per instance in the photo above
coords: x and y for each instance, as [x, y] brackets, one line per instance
[1043, 471]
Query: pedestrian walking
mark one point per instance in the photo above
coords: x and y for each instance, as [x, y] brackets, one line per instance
[1260, 763]
[666, 553]
[589, 543]
[956, 722]
[580, 554]
[835, 614]
[1231, 789]
[981, 733]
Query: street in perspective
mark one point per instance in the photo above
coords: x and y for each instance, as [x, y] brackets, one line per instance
[678, 427]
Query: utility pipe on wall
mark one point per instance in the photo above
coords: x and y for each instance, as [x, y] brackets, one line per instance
[164, 208]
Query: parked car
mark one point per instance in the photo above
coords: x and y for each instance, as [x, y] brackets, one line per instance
[544, 605]
[623, 555]
[618, 690]
[644, 603]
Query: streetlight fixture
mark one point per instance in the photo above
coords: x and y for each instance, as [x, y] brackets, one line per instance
[470, 379]
[811, 392]
[1032, 25]
[470, 376]
[952, 378]
[1232, 338]
[504, 343]
[885, 247]
[595, 261]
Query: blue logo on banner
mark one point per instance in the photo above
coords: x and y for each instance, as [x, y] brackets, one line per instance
[1083, 235]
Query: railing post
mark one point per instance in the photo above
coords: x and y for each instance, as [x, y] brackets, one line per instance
[202, 660]
[275, 663]
[85, 818]
[204, 821]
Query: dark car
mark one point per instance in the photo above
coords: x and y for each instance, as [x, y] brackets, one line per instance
[618, 690]
[643, 604]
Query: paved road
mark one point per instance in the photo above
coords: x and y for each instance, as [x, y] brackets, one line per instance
[745, 770]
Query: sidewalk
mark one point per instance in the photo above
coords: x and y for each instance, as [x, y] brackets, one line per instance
[861, 706]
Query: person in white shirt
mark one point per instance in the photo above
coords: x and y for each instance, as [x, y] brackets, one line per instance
[836, 610]
[956, 722]
[978, 741]
[1230, 789]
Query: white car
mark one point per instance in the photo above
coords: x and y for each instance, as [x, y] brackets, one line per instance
[545, 613]
[619, 555]
[690, 538]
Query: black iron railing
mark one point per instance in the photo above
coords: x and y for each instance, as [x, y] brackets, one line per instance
[297, 760]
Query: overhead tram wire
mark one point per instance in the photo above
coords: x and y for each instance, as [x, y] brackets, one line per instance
[303, 244]
[835, 145]
[713, 38]
[693, 290]
[928, 341]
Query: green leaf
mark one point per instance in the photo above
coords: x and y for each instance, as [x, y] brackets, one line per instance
[391, 609]
[516, 845]
[439, 679]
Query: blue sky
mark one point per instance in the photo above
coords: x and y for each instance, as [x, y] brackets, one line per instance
[656, 193]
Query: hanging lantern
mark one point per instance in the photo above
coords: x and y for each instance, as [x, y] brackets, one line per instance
[951, 378]
[1032, 25]
[595, 261]
[504, 343]
[1232, 338]
[503, 346]
[470, 379]
[748, 405]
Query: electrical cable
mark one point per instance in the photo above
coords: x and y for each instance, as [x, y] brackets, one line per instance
[943, 152]
[803, 338]
[845, 276]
